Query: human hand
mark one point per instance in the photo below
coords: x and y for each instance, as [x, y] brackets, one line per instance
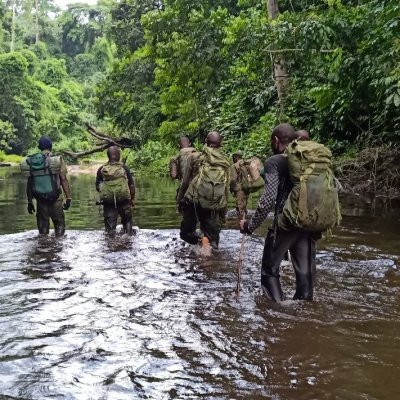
[31, 208]
[244, 227]
[67, 204]
[182, 205]
[133, 203]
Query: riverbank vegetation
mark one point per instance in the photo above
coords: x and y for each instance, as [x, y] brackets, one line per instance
[156, 70]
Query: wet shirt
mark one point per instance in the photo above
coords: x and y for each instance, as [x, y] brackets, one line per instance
[100, 179]
[192, 169]
[182, 160]
[276, 190]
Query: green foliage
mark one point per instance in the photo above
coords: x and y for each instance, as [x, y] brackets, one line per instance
[10, 158]
[209, 66]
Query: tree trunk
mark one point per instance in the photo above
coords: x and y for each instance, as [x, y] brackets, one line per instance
[273, 9]
[12, 45]
[281, 76]
[105, 142]
[36, 21]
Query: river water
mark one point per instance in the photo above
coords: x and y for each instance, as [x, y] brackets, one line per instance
[147, 317]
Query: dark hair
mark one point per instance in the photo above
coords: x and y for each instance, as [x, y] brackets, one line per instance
[285, 133]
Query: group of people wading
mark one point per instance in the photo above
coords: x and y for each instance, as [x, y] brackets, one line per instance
[299, 187]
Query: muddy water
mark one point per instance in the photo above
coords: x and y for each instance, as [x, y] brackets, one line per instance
[147, 317]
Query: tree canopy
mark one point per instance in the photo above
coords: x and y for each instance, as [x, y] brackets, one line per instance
[155, 70]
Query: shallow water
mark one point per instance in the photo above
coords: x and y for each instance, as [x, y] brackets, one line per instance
[147, 317]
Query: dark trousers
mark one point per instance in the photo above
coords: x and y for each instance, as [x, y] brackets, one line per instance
[50, 210]
[211, 222]
[111, 213]
[302, 250]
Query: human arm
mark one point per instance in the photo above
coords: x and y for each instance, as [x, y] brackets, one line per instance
[131, 185]
[99, 179]
[233, 179]
[267, 199]
[185, 180]
[29, 195]
[65, 185]
[29, 189]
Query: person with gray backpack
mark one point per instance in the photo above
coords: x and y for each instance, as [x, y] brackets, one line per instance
[203, 195]
[47, 174]
[116, 187]
[300, 183]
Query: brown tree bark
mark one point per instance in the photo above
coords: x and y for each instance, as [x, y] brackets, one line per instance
[280, 72]
[105, 142]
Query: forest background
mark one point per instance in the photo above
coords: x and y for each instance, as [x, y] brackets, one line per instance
[155, 70]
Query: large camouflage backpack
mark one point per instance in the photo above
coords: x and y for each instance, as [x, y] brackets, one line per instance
[251, 180]
[114, 189]
[178, 164]
[313, 203]
[209, 187]
[44, 171]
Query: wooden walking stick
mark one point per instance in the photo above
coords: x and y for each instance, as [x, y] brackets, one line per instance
[239, 268]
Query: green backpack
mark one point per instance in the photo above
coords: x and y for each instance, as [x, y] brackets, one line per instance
[313, 203]
[209, 187]
[44, 170]
[114, 188]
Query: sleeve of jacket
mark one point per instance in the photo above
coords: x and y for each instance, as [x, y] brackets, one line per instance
[233, 179]
[227, 187]
[269, 196]
[185, 180]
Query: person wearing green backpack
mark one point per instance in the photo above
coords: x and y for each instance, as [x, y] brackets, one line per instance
[203, 195]
[47, 174]
[116, 187]
[300, 183]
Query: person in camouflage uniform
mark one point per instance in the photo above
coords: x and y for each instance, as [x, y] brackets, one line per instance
[50, 209]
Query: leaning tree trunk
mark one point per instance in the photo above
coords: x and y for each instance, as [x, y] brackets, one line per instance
[280, 73]
[103, 142]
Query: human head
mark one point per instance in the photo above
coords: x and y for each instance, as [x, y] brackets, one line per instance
[45, 143]
[281, 136]
[184, 142]
[237, 156]
[213, 139]
[113, 153]
[302, 135]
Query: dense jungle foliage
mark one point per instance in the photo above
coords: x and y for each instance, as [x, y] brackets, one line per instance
[154, 70]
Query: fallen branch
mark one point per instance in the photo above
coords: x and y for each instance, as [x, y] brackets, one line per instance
[103, 142]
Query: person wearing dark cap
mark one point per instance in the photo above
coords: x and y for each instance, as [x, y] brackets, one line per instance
[47, 175]
[203, 194]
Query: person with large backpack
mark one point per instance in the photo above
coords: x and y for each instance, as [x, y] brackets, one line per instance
[178, 163]
[47, 174]
[300, 185]
[116, 187]
[245, 179]
[203, 195]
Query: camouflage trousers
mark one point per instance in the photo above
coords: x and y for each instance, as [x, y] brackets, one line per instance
[241, 203]
[50, 210]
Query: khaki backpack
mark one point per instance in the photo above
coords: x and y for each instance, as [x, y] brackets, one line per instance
[209, 187]
[251, 180]
[114, 189]
[313, 203]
